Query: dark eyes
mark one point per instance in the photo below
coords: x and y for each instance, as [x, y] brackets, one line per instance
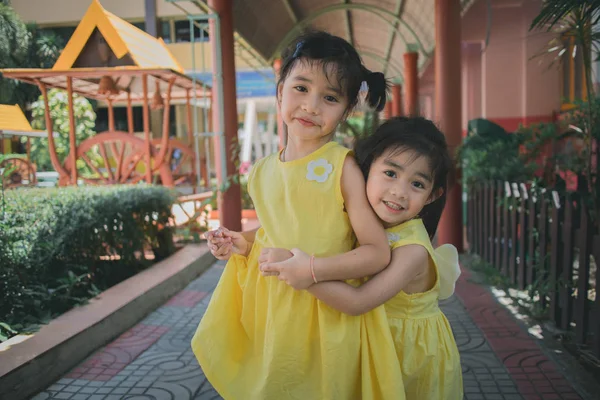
[392, 174]
[303, 89]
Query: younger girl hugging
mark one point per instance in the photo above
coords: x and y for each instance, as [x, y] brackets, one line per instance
[406, 164]
[259, 338]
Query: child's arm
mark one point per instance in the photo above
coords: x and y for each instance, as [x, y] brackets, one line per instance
[223, 243]
[371, 257]
[373, 254]
[407, 263]
[250, 235]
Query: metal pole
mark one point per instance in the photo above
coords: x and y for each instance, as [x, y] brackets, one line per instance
[196, 139]
[205, 117]
[219, 74]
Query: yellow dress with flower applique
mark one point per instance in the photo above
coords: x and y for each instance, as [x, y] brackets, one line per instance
[261, 339]
[425, 345]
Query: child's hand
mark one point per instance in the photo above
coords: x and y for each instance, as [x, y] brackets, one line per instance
[222, 243]
[294, 271]
[273, 255]
[219, 246]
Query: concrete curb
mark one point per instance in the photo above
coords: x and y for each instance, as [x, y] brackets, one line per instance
[30, 363]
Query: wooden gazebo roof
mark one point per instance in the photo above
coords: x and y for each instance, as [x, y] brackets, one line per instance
[105, 45]
[124, 39]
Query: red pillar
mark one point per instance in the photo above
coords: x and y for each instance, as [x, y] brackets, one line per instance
[411, 83]
[448, 108]
[396, 100]
[229, 202]
[281, 133]
[387, 111]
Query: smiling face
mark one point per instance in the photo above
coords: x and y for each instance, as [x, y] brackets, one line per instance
[399, 185]
[311, 104]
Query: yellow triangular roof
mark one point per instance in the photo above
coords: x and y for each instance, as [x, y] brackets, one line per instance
[13, 119]
[122, 37]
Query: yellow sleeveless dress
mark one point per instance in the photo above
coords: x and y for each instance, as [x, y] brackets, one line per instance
[261, 339]
[425, 345]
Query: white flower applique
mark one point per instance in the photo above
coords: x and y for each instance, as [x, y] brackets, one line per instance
[318, 170]
[392, 238]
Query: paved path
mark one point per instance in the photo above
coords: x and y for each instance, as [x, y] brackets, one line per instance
[153, 360]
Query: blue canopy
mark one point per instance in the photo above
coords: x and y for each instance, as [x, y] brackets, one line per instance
[248, 83]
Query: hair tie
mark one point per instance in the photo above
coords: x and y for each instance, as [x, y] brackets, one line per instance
[298, 49]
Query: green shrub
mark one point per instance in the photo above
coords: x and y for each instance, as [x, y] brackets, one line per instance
[59, 247]
[489, 153]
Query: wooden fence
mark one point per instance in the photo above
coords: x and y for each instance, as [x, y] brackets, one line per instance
[538, 239]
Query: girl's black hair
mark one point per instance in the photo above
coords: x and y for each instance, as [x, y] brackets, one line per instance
[420, 135]
[328, 50]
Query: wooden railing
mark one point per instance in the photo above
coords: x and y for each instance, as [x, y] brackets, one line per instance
[541, 239]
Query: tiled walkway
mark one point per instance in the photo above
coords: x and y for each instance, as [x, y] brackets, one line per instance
[153, 360]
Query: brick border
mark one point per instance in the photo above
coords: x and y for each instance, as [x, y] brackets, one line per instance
[112, 359]
[537, 377]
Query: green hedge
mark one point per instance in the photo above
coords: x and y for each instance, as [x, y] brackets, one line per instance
[60, 247]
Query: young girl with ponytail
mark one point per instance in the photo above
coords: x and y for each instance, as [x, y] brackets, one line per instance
[260, 338]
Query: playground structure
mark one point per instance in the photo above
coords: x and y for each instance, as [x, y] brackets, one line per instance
[112, 61]
[13, 126]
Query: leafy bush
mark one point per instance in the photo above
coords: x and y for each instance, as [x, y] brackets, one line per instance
[59, 247]
[490, 153]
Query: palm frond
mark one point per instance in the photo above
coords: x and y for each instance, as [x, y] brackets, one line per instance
[14, 37]
[555, 11]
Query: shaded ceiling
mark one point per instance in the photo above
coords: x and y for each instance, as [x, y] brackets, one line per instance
[381, 30]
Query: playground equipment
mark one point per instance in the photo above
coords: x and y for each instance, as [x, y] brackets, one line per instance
[13, 126]
[114, 62]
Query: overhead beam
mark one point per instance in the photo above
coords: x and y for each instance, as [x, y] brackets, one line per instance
[349, 24]
[398, 12]
[382, 13]
[290, 11]
[374, 56]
